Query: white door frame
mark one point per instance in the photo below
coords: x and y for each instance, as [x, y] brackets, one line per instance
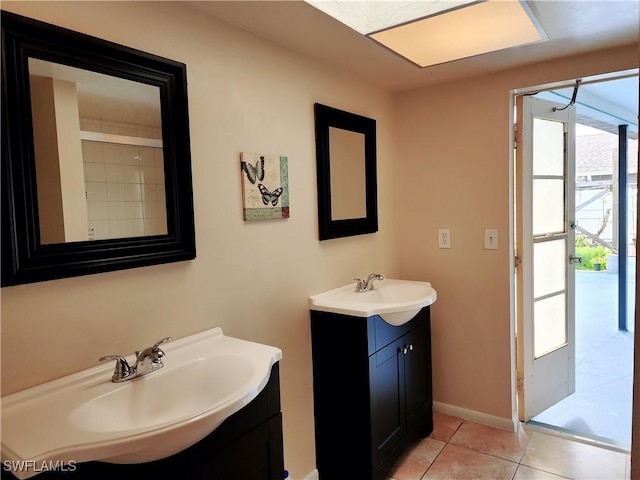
[512, 227]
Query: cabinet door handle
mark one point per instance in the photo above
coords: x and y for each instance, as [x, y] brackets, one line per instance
[407, 348]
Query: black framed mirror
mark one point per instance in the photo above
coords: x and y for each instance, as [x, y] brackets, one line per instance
[96, 163]
[346, 173]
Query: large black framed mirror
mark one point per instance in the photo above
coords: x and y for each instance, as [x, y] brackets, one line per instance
[96, 163]
[346, 173]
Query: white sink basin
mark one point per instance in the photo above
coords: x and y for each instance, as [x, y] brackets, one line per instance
[396, 301]
[206, 378]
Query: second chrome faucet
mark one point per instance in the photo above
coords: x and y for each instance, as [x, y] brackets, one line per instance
[367, 285]
[147, 361]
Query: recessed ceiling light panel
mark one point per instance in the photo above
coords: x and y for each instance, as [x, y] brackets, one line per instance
[430, 32]
[480, 28]
[368, 16]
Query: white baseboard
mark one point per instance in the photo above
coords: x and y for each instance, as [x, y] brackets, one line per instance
[460, 412]
[509, 424]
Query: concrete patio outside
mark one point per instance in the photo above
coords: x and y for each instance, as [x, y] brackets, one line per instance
[601, 406]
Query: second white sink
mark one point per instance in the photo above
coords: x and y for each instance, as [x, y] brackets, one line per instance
[396, 301]
[206, 378]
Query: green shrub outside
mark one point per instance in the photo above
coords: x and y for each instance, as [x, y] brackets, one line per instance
[590, 255]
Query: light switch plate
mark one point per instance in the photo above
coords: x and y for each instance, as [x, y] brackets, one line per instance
[491, 239]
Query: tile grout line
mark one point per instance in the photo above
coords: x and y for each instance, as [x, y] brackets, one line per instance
[517, 463]
[441, 450]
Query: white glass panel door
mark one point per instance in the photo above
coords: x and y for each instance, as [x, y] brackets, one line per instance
[545, 280]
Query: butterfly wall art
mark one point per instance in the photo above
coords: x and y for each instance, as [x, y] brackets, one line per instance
[265, 186]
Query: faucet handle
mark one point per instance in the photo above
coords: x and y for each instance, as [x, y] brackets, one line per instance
[122, 370]
[164, 340]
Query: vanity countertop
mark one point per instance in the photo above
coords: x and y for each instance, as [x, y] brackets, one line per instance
[396, 301]
[85, 416]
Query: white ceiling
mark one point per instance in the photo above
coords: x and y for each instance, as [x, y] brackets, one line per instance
[572, 27]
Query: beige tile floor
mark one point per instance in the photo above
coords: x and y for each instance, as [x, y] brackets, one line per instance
[460, 449]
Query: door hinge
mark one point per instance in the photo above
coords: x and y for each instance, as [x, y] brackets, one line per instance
[520, 384]
[516, 136]
[517, 261]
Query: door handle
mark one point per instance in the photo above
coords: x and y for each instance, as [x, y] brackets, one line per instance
[575, 260]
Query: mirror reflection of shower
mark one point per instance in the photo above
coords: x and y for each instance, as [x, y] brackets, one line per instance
[99, 157]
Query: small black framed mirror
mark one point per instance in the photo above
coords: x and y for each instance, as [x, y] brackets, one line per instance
[346, 173]
[96, 164]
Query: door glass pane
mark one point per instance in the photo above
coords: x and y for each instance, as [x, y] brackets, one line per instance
[549, 267]
[549, 324]
[548, 147]
[548, 206]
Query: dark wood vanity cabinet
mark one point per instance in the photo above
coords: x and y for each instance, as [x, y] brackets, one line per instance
[372, 392]
[247, 445]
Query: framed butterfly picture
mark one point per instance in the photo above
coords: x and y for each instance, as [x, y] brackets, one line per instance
[265, 186]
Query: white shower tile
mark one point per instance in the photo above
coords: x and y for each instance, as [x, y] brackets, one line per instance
[116, 210]
[130, 155]
[148, 175]
[115, 192]
[155, 226]
[97, 211]
[96, 191]
[117, 228]
[133, 210]
[135, 227]
[158, 157]
[129, 130]
[132, 192]
[92, 152]
[149, 192]
[90, 125]
[100, 229]
[110, 127]
[131, 174]
[146, 155]
[112, 153]
[94, 172]
[114, 173]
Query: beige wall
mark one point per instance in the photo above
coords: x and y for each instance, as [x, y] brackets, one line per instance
[453, 150]
[446, 148]
[252, 279]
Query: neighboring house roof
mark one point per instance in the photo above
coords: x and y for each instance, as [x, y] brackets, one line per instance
[595, 154]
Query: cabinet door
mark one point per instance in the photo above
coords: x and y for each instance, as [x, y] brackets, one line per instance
[417, 364]
[387, 390]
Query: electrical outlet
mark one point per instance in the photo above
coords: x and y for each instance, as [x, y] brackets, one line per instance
[444, 238]
[491, 239]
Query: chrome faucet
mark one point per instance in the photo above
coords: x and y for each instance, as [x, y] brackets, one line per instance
[147, 361]
[367, 285]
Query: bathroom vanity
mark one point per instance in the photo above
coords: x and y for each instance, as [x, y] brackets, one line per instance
[211, 412]
[247, 445]
[372, 391]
